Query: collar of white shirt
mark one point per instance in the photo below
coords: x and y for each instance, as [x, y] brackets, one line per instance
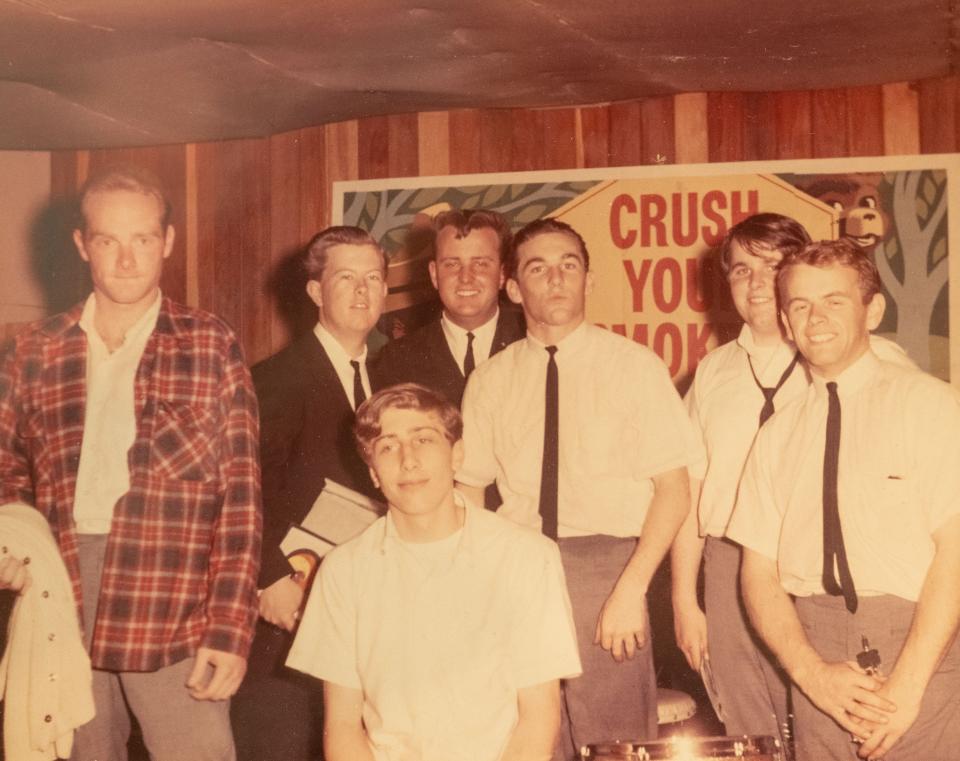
[567, 346]
[851, 380]
[341, 361]
[135, 335]
[457, 338]
[468, 540]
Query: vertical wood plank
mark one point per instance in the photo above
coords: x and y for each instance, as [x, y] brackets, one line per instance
[207, 201]
[595, 135]
[937, 104]
[690, 131]
[433, 138]
[759, 126]
[341, 152]
[829, 123]
[526, 140]
[864, 121]
[281, 277]
[901, 120]
[191, 240]
[496, 137]
[625, 139]
[373, 147]
[465, 129]
[560, 138]
[402, 145]
[793, 125]
[725, 126]
[314, 185]
[657, 145]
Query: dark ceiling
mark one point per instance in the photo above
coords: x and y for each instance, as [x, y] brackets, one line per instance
[92, 73]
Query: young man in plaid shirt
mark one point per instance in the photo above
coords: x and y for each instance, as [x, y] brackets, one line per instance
[130, 422]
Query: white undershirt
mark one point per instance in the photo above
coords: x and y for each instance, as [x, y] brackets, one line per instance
[109, 425]
[341, 362]
[457, 339]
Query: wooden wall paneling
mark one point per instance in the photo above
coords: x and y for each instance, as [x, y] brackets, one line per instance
[464, 134]
[725, 126]
[496, 140]
[759, 126]
[527, 135]
[864, 121]
[342, 152]
[690, 132]
[63, 174]
[403, 145]
[625, 140]
[256, 249]
[314, 192]
[560, 138]
[373, 147]
[208, 181]
[595, 135]
[279, 278]
[793, 125]
[828, 121]
[657, 135]
[66, 276]
[901, 119]
[938, 103]
[433, 143]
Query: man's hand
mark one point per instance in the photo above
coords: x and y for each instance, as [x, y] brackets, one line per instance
[621, 627]
[690, 627]
[280, 603]
[228, 671]
[882, 737]
[849, 695]
[13, 574]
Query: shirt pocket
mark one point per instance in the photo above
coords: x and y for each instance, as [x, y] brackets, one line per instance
[31, 432]
[185, 444]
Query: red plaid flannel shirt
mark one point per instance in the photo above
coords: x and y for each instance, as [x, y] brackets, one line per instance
[183, 552]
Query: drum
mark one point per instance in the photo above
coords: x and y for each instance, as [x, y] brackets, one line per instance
[679, 748]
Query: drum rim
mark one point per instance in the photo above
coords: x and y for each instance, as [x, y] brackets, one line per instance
[755, 743]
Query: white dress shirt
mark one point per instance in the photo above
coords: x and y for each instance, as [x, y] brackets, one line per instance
[725, 403]
[621, 423]
[109, 424]
[457, 339]
[341, 362]
[898, 479]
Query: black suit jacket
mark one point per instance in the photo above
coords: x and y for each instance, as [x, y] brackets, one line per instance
[424, 357]
[305, 436]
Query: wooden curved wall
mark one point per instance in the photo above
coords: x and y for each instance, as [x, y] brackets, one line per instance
[242, 207]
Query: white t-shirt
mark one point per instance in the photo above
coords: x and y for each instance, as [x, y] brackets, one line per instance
[439, 649]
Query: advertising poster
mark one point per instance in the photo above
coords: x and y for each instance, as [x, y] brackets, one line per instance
[652, 234]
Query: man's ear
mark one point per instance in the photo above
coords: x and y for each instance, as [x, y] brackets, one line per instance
[786, 326]
[315, 292]
[513, 291]
[168, 239]
[503, 277]
[456, 456]
[432, 269]
[78, 242]
[588, 284]
[373, 477]
[875, 310]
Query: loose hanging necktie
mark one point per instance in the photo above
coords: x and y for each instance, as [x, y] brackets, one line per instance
[549, 474]
[359, 395]
[468, 361]
[833, 548]
[768, 393]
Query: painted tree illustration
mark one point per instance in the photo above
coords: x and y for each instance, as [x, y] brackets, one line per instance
[913, 264]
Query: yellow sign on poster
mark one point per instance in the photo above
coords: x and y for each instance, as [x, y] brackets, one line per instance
[650, 241]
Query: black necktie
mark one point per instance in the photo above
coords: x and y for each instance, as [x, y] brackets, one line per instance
[549, 475]
[768, 393]
[833, 548]
[359, 395]
[468, 361]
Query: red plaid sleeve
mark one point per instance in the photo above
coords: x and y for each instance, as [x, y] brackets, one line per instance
[16, 483]
[235, 554]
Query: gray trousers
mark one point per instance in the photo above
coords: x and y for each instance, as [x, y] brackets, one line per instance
[836, 635]
[752, 690]
[175, 727]
[610, 701]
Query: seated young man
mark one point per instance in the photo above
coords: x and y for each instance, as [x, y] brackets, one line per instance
[442, 631]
